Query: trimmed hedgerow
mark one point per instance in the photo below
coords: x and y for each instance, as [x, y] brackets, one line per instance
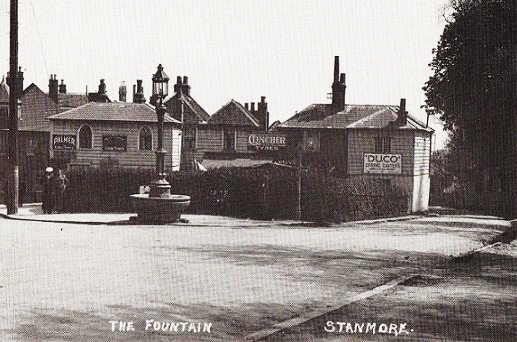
[267, 192]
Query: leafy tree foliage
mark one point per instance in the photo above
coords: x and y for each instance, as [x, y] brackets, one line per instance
[471, 90]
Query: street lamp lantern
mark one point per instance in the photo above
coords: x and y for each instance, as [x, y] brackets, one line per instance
[160, 83]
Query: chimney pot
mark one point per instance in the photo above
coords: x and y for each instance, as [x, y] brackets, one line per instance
[138, 97]
[263, 99]
[252, 107]
[338, 88]
[53, 88]
[402, 116]
[62, 87]
[185, 86]
[246, 105]
[122, 92]
[336, 68]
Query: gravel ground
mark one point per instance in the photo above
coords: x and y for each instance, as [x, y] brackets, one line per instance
[68, 281]
[471, 299]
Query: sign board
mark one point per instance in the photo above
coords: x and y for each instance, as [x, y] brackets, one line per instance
[266, 142]
[64, 142]
[114, 143]
[382, 163]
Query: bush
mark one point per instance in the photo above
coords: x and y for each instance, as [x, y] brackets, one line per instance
[267, 192]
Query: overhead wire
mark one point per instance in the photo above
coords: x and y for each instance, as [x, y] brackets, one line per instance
[39, 37]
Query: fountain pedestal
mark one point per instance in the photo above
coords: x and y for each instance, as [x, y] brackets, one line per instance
[159, 210]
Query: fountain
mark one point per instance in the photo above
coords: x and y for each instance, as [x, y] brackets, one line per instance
[159, 205]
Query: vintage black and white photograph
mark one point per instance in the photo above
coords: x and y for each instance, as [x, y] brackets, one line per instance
[242, 170]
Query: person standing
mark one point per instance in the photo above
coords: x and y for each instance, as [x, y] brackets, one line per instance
[48, 190]
[61, 184]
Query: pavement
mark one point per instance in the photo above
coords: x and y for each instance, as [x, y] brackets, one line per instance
[33, 212]
[251, 279]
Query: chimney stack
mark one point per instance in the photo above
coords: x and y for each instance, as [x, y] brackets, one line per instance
[53, 88]
[262, 114]
[138, 96]
[102, 87]
[122, 92]
[62, 87]
[178, 84]
[338, 88]
[402, 114]
[336, 68]
[185, 86]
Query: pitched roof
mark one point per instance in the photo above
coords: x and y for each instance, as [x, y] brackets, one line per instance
[31, 86]
[197, 113]
[320, 116]
[233, 113]
[113, 111]
[69, 100]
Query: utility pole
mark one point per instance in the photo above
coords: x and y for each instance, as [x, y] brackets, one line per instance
[13, 178]
[299, 154]
[513, 120]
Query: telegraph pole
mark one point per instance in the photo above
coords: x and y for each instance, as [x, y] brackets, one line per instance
[13, 178]
[513, 120]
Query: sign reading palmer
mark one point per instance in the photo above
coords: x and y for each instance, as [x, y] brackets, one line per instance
[382, 163]
[266, 142]
[63, 142]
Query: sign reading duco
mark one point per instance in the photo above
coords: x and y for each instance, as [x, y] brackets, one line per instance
[382, 163]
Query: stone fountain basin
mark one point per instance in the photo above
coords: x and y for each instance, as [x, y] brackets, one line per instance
[159, 209]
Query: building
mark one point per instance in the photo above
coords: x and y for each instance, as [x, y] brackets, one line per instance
[382, 143]
[226, 134]
[184, 108]
[34, 129]
[113, 134]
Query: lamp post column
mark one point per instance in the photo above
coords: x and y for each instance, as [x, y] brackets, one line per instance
[160, 187]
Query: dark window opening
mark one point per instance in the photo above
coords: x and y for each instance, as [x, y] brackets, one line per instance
[229, 139]
[85, 137]
[146, 139]
[382, 145]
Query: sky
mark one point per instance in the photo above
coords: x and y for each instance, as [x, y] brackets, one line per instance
[234, 49]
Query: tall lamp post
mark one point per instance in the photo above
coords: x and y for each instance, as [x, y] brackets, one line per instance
[159, 206]
[160, 187]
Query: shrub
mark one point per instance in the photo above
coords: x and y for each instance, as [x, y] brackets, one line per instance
[267, 192]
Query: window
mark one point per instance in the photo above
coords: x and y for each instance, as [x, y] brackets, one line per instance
[382, 145]
[85, 137]
[189, 137]
[229, 139]
[312, 141]
[146, 139]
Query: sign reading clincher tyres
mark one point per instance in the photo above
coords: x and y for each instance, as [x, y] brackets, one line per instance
[266, 142]
[382, 163]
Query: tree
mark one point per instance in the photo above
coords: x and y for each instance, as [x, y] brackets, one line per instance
[471, 89]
